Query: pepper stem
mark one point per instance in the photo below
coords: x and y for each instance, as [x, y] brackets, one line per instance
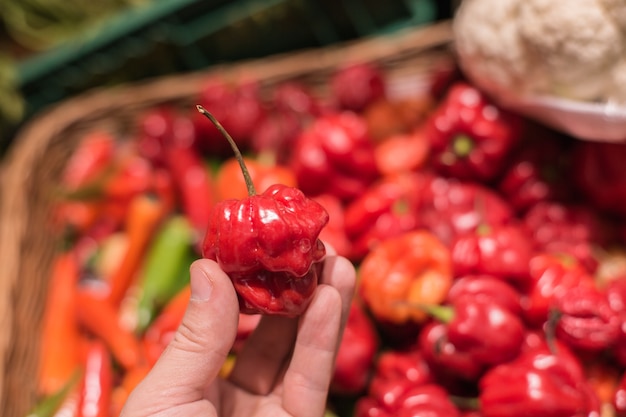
[233, 145]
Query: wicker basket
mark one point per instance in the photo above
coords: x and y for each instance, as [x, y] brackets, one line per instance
[35, 161]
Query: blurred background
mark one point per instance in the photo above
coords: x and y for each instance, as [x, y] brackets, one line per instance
[53, 49]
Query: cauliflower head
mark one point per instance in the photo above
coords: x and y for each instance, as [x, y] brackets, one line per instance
[574, 49]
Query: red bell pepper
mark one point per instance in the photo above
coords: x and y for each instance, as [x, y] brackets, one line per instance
[450, 208]
[487, 287]
[503, 251]
[485, 332]
[585, 320]
[268, 244]
[396, 371]
[387, 208]
[154, 131]
[239, 108]
[599, 172]
[446, 361]
[357, 85]
[551, 277]
[421, 400]
[402, 271]
[538, 383]
[334, 234]
[355, 357]
[539, 172]
[95, 397]
[471, 138]
[335, 155]
[566, 228]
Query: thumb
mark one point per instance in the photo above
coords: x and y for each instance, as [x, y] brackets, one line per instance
[203, 340]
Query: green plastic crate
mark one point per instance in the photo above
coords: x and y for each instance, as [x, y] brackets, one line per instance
[173, 36]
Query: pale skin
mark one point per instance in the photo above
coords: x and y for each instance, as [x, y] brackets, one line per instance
[284, 369]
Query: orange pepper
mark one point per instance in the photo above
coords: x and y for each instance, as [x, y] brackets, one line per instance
[60, 348]
[100, 318]
[402, 153]
[401, 273]
[230, 184]
[142, 219]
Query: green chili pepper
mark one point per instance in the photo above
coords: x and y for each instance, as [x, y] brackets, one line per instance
[166, 268]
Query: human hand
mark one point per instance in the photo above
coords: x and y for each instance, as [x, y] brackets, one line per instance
[284, 369]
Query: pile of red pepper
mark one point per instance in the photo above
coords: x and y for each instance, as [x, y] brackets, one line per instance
[489, 248]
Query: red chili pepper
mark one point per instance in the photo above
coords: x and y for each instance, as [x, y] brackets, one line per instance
[95, 398]
[539, 171]
[571, 229]
[585, 320]
[501, 250]
[412, 268]
[599, 172]
[193, 183]
[335, 155]
[89, 160]
[162, 329]
[355, 357]
[538, 383]
[490, 288]
[386, 209]
[155, 129]
[268, 244]
[471, 138]
[551, 277]
[451, 208]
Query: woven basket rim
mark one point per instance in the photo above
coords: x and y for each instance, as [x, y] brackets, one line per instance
[34, 140]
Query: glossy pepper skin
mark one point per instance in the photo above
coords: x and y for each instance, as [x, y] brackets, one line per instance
[335, 155]
[450, 208]
[538, 383]
[471, 138]
[501, 250]
[268, 244]
[411, 268]
[551, 276]
[586, 321]
[488, 287]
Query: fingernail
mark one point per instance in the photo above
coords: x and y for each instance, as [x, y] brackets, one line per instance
[201, 285]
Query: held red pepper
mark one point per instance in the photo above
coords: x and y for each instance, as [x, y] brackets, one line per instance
[538, 383]
[335, 155]
[388, 208]
[585, 320]
[471, 138]
[355, 357]
[268, 244]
